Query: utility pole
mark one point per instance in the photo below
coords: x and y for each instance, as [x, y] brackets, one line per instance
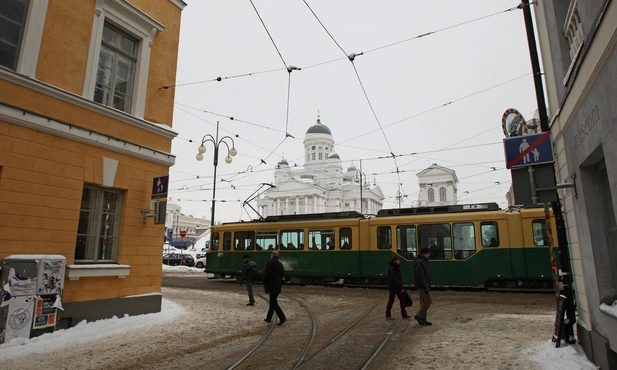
[564, 253]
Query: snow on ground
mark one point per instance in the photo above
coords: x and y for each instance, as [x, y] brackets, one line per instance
[545, 355]
[89, 331]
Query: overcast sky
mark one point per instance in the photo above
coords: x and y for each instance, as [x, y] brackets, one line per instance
[437, 98]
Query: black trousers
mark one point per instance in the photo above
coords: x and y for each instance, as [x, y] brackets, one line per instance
[274, 307]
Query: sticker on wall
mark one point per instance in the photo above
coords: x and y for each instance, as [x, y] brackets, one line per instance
[21, 285]
[50, 277]
[19, 319]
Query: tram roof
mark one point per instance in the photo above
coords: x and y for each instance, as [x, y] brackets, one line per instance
[457, 208]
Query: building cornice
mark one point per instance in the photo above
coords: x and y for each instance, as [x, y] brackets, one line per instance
[160, 129]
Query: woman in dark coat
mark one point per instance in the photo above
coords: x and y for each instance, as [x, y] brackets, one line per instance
[396, 288]
[273, 281]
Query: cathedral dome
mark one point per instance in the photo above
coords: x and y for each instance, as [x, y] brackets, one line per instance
[319, 128]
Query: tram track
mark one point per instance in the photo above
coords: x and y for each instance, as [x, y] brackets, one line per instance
[365, 335]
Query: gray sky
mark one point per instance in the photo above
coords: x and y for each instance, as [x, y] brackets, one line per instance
[431, 95]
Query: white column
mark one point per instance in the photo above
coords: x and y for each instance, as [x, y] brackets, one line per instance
[306, 209]
[315, 204]
[297, 205]
[287, 206]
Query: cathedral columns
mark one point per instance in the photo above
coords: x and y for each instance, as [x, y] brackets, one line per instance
[297, 205]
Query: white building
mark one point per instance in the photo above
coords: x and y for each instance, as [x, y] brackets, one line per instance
[321, 185]
[178, 223]
[438, 186]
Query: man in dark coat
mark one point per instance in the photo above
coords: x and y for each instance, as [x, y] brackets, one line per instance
[246, 274]
[396, 288]
[273, 280]
[422, 281]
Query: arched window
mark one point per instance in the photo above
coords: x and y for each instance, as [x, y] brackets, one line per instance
[442, 194]
[431, 195]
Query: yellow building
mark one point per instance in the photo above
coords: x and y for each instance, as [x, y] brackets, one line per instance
[84, 128]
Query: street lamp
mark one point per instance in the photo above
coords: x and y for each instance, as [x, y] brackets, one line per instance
[362, 184]
[231, 152]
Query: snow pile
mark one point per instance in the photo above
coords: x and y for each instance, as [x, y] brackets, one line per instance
[567, 356]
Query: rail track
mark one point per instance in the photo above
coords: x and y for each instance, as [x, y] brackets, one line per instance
[364, 337]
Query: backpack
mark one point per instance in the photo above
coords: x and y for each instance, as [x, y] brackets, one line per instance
[254, 273]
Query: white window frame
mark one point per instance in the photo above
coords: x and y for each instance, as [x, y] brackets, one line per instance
[137, 24]
[31, 40]
[94, 224]
[573, 32]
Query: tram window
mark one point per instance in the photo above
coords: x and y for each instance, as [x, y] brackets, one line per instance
[292, 239]
[464, 240]
[227, 241]
[540, 236]
[406, 241]
[490, 234]
[384, 237]
[345, 237]
[243, 240]
[214, 241]
[266, 240]
[321, 239]
[437, 239]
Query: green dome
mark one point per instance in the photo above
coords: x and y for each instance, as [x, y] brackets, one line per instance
[318, 128]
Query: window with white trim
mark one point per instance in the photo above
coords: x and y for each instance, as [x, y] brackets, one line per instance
[573, 31]
[116, 71]
[99, 224]
[119, 56]
[442, 194]
[13, 14]
[431, 195]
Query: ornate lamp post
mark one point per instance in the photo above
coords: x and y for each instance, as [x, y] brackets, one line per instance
[231, 152]
[363, 184]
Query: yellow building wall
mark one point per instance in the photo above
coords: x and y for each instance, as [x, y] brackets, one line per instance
[42, 175]
[63, 56]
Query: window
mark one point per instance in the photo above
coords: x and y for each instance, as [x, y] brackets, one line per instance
[99, 222]
[464, 240]
[313, 156]
[321, 239]
[406, 241]
[345, 237]
[320, 156]
[442, 194]
[540, 236]
[13, 15]
[214, 241]
[437, 239]
[490, 234]
[119, 56]
[292, 239]
[573, 31]
[307, 157]
[227, 241]
[431, 195]
[244, 240]
[116, 70]
[266, 240]
[384, 237]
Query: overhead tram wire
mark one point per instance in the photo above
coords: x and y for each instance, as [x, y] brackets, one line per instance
[351, 58]
[219, 79]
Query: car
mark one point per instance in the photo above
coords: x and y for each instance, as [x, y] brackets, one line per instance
[178, 259]
[200, 262]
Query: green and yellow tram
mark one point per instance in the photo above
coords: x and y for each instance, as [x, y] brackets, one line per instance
[470, 246]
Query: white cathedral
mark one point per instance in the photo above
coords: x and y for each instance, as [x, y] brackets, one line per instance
[320, 186]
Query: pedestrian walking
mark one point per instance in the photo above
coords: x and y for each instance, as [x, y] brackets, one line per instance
[396, 288]
[273, 281]
[422, 281]
[247, 274]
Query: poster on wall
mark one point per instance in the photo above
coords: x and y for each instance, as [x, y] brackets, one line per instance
[50, 277]
[19, 319]
[21, 285]
[44, 313]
